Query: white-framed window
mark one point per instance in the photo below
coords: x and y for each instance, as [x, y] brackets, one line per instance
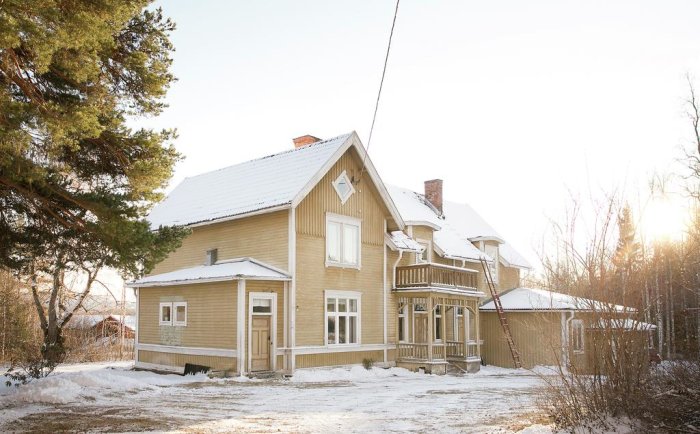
[165, 316]
[458, 322]
[262, 306]
[423, 256]
[577, 336]
[343, 186]
[471, 325]
[172, 313]
[492, 251]
[403, 324]
[343, 241]
[180, 313]
[437, 325]
[343, 317]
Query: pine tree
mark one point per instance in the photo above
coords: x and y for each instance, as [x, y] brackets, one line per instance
[75, 181]
[627, 256]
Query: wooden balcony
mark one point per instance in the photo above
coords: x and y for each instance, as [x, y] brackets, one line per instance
[435, 275]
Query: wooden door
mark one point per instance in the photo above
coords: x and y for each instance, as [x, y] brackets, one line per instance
[260, 343]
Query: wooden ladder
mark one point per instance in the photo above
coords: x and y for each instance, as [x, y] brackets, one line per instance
[501, 314]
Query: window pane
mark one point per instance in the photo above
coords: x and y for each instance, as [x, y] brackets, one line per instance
[343, 187]
[438, 328]
[353, 305]
[350, 247]
[423, 256]
[180, 314]
[331, 329]
[342, 305]
[330, 305]
[342, 323]
[401, 326]
[165, 314]
[472, 325]
[262, 305]
[353, 330]
[333, 241]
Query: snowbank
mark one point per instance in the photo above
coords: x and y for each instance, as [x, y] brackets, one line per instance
[90, 383]
[355, 373]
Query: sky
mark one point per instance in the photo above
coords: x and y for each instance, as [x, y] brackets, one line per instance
[515, 105]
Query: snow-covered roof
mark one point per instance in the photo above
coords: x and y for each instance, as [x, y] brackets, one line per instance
[455, 230]
[541, 299]
[243, 268]
[87, 321]
[450, 244]
[269, 183]
[413, 207]
[255, 185]
[398, 240]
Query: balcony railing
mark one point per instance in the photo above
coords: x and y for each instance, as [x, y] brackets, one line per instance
[428, 274]
[451, 349]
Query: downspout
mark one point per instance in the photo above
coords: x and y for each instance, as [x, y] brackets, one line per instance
[385, 299]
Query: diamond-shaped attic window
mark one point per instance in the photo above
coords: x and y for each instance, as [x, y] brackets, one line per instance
[343, 187]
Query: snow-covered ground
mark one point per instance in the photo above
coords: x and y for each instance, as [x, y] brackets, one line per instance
[111, 397]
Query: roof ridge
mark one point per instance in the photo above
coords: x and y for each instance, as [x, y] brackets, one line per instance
[288, 151]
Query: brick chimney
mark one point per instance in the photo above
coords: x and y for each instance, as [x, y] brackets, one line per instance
[305, 140]
[433, 192]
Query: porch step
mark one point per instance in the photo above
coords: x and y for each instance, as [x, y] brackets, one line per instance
[264, 375]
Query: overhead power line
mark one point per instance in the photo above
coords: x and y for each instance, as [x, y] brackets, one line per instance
[379, 93]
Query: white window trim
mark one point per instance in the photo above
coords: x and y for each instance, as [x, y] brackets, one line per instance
[335, 183]
[435, 322]
[403, 313]
[495, 272]
[343, 220]
[273, 326]
[577, 324]
[428, 247]
[457, 320]
[176, 304]
[468, 331]
[342, 294]
[160, 314]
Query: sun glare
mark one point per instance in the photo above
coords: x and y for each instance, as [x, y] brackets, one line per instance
[664, 218]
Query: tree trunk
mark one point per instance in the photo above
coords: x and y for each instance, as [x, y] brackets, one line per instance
[659, 312]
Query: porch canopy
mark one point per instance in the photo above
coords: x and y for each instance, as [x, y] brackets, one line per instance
[234, 269]
[437, 317]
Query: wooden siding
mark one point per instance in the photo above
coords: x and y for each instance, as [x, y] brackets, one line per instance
[509, 277]
[364, 204]
[211, 315]
[263, 237]
[537, 336]
[216, 363]
[422, 233]
[335, 359]
[313, 278]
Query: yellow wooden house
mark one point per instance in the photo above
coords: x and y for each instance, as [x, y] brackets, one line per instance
[306, 258]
